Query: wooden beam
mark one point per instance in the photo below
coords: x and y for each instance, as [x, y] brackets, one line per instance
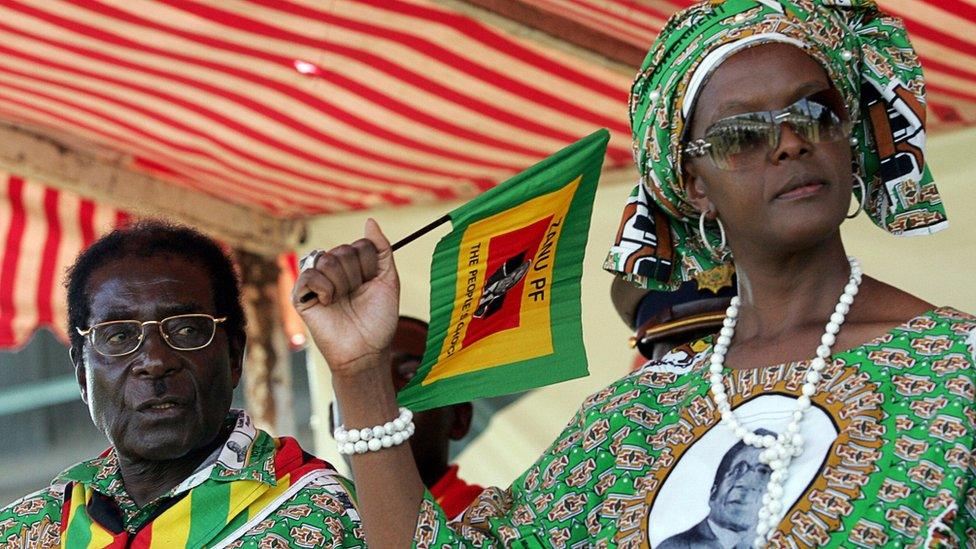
[104, 176]
[522, 19]
[267, 363]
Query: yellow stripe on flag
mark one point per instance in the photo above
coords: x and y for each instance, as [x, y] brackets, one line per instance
[532, 338]
[257, 505]
[239, 494]
[169, 533]
[78, 498]
[99, 537]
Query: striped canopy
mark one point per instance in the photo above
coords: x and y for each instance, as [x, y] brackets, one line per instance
[306, 107]
[43, 230]
[262, 112]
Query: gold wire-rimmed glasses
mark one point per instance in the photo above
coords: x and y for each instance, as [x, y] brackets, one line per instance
[181, 332]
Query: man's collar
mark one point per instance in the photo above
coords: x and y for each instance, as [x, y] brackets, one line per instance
[248, 454]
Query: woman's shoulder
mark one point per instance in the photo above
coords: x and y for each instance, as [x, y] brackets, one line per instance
[660, 375]
[937, 331]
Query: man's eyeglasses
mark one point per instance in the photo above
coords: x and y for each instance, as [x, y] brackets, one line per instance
[181, 332]
[745, 140]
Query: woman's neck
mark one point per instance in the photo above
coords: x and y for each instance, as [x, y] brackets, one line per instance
[784, 293]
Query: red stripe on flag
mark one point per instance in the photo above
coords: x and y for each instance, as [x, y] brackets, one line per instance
[8, 272]
[506, 254]
[142, 540]
[49, 257]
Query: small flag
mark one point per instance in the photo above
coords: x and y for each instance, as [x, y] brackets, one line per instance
[505, 285]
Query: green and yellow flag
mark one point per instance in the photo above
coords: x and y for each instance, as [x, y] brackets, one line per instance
[505, 285]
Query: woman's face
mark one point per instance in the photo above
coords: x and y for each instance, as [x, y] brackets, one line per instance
[799, 195]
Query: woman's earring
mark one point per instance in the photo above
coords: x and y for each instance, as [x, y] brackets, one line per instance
[716, 252]
[862, 200]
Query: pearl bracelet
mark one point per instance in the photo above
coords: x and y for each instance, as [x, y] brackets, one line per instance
[372, 439]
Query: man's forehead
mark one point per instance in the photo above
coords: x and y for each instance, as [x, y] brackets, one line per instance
[745, 453]
[157, 285]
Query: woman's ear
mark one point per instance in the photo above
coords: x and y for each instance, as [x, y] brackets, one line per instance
[697, 190]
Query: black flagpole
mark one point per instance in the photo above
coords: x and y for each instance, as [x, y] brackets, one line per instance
[421, 232]
[401, 243]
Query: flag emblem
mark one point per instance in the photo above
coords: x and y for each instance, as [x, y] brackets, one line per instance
[505, 312]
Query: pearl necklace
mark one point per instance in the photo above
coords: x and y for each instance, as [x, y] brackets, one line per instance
[777, 452]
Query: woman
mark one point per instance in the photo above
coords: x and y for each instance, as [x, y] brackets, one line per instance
[831, 410]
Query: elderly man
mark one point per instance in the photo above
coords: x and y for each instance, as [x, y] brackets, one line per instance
[157, 342]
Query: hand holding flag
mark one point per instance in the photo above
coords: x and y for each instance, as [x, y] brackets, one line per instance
[355, 290]
[505, 289]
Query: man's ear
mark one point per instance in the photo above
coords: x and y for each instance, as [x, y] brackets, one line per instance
[235, 347]
[697, 189]
[80, 374]
[462, 420]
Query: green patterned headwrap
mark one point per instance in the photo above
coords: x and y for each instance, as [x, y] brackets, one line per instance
[870, 61]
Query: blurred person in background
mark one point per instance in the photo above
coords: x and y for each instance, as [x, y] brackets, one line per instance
[435, 428]
[663, 321]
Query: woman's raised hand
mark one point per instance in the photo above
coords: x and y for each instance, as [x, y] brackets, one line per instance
[349, 299]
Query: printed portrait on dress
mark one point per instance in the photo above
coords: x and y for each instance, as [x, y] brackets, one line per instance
[723, 512]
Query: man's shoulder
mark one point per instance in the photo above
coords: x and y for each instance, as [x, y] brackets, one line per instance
[692, 537]
[321, 513]
[36, 516]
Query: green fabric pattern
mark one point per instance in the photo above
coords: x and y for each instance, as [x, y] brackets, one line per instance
[868, 57]
[321, 514]
[889, 459]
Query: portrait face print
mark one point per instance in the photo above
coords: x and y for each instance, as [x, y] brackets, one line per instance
[712, 494]
[738, 488]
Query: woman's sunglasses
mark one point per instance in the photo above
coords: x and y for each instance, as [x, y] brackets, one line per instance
[745, 140]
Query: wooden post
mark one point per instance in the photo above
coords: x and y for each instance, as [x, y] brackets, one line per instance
[267, 362]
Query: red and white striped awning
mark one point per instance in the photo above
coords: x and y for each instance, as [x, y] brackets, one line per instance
[943, 32]
[302, 108]
[43, 230]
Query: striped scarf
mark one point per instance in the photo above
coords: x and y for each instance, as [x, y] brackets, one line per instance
[211, 514]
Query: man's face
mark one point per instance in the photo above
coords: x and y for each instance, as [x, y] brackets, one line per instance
[157, 403]
[737, 497]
